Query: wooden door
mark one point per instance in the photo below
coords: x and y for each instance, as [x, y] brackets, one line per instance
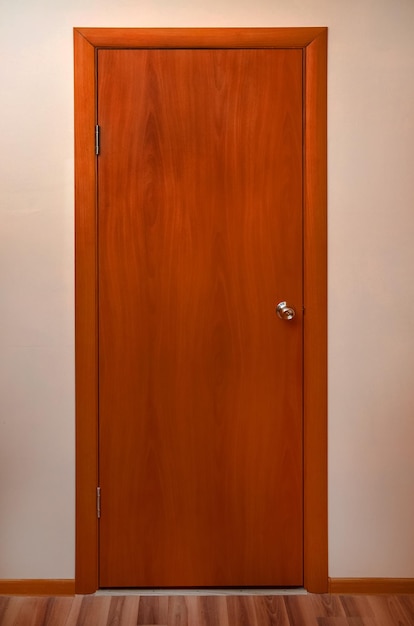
[200, 383]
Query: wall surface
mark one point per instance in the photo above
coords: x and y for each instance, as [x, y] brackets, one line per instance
[371, 261]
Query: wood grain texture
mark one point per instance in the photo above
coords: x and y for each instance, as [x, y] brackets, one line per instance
[315, 322]
[311, 610]
[302, 609]
[86, 330]
[86, 42]
[200, 37]
[207, 611]
[381, 609]
[200, 236]
[371, 585]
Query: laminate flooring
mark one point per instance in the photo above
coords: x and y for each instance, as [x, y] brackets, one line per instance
[134, 610]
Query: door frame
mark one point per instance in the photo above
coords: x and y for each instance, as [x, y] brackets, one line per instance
[313, 42]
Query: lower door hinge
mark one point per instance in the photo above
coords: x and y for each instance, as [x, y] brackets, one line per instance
[97, 139]
[98, 502]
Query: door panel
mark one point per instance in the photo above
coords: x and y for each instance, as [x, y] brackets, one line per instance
[200, 384]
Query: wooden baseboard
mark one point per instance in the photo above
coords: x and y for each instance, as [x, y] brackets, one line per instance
[66, 587]
[37, 587]
[371, 585]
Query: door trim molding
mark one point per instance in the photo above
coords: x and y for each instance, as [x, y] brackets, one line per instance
[313, 42]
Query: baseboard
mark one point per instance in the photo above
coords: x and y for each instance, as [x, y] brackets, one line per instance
[371, 585]
[37, 587]
[66, 587]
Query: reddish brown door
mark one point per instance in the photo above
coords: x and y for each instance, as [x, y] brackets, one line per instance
[200, 383]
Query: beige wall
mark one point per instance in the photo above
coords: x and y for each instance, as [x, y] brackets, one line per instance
[371, 263]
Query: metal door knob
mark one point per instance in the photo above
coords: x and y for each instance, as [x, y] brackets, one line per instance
[285, 312]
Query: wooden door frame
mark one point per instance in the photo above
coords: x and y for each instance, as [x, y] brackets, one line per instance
[313, 42]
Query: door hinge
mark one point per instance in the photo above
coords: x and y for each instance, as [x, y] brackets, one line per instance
[97, 139]
[98, 502]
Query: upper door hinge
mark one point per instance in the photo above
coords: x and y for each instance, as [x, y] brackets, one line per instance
[97, 139]
[98, 502]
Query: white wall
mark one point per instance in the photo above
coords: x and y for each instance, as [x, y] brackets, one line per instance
[371, 262]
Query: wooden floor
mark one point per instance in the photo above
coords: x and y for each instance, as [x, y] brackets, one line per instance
[292, 610]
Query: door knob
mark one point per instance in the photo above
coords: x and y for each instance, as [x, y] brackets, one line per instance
[285, 312]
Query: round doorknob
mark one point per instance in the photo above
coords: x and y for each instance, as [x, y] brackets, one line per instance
[285, 312]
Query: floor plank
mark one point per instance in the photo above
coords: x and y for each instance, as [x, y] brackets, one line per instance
[177, 611]
[357, 606]
[72, 618]
[123, 611]
[153, 611]
[241, 611]
[305, 610]
[4, 600]
[192, 610]
[207, 611]
[346, 621]
[94, 611]
[407, 602]
[271, 610]
[27, 611]
[58, 611]
[389, 610]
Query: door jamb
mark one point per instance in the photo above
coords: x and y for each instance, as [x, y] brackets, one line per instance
[313, 42]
